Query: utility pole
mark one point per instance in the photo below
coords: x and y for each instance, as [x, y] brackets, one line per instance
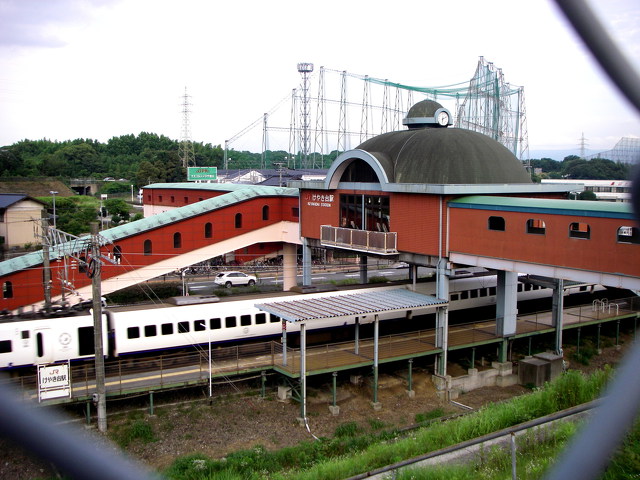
[46, 263]
[94, 269]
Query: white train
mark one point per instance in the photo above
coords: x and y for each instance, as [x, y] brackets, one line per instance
[26, 342]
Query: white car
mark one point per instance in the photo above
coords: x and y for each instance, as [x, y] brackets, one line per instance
[233, 279]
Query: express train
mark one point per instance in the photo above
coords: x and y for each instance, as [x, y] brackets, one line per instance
[25, 342]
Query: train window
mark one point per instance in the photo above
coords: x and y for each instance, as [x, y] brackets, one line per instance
[579, 230]
[519, 287]
[85, 341]
[166, 328]
[199, 325]
[484, 292]
[496, 223]
[527, 287]
[274, 318]
[245, 320]
[583, 288]
[150, 331]
[536, 226]
[464, 295]
[133, 332]
[5, 346]
[25, 334]
[39, 344]
[261, 318]
[473, 293]
[183, 327]
[215, 323]
[454, 297]
[230, 322]
[492, 291]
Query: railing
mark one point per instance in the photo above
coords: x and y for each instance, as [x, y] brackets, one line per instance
[361, 240]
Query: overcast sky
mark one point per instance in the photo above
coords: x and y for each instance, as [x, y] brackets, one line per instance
[103, 68]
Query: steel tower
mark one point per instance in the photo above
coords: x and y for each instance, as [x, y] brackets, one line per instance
[185, 150]
[305, 69]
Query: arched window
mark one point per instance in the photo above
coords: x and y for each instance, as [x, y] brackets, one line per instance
[496, 223]
[147, 247]
[7, 290]
[177, 240]
[579, 230]
[238, 220]
[536, 226]
[117, 253]
[265, 212]
[208, 230]
[629, 234]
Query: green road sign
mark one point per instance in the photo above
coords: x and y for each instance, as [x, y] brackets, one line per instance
[202, 173]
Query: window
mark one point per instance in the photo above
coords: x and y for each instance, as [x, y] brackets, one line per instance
[628, 234]
[147, 247]
[173, 199]
[177, 240]
[159, 198]
[208, 230]
[25, 334]
[245, 320]
[117, 253]
[496, 223]
[464, 295]
[519, 288]
[261, 318]
[454, 297]
[579, 230]
[536, 226]
[230, 322]
[7, 290]
[149, 198]
[265, 212]
[82, 264]
[150, 331]
[183, 327]
[295, 211]
[215, 324]
[238, 220]
[493, 291]
[364, 212]
[85, 341]
[274, 318]
[5, 346]
[167, 328]
[199, 325]
[133, 332]
[40, 344]
[473, 293]
[186, 200]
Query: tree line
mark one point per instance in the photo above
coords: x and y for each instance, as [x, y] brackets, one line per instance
[150, 158]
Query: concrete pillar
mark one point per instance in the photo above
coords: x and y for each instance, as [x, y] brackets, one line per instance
[506, 303]
[557, 305]
[306, 263]
[363, 269]
[442, 315]
[289, 266]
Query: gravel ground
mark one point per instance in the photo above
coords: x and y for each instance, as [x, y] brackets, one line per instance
[238, 418]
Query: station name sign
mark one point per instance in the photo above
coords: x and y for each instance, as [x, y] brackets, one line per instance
[54, 381]
[202, 173]
[319, 199]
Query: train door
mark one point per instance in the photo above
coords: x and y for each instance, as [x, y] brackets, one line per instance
[42, 344]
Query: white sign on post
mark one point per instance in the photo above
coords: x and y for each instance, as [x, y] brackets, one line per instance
[54, 381]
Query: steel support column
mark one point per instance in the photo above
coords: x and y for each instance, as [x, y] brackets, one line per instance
[556, 313]
[306, 263]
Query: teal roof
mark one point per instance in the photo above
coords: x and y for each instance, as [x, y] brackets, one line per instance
[583, 208]
[238, 194]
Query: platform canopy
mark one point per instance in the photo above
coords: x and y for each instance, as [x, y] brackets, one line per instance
[355, 304]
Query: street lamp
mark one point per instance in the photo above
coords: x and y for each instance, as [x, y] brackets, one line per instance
[53, 194]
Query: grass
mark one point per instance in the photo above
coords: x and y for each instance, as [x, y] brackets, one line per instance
[352, 450]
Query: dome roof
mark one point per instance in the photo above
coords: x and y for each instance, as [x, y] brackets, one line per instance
[444, 156]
